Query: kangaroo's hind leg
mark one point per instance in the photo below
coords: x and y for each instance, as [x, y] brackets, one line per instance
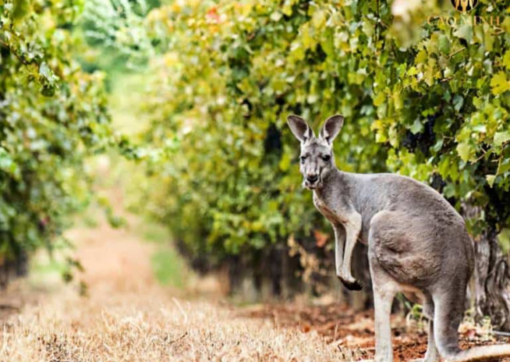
[432, 354]
[399, 260]
[449, 309]
[384, 293]
[384, 288]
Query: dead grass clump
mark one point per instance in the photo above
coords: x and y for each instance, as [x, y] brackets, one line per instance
[153, 328]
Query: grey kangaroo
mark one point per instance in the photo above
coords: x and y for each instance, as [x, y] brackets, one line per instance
[417, 243]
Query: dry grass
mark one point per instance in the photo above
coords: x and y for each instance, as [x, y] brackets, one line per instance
[129, 317]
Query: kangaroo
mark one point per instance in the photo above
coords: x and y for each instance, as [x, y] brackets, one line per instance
[417, 243]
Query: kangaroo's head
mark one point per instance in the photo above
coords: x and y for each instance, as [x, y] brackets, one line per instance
[316, 159]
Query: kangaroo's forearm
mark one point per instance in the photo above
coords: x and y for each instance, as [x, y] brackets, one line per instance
[352, 228]
[339, 248]
[346, 237]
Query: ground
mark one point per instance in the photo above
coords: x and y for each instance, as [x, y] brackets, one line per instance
[128, 315]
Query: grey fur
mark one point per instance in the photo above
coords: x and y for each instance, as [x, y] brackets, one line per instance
[417, 243]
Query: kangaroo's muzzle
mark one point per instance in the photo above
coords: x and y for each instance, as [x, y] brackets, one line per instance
[312, 181]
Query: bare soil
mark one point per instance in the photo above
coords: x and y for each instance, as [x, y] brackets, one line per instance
[341, 326]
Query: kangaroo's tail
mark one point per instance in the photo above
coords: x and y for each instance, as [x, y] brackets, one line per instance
[449, 308]
[480, 353]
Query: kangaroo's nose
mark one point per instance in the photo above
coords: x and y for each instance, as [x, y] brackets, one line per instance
[312, 177]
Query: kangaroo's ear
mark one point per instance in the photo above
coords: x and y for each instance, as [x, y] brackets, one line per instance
[332, 128]
[300, 128]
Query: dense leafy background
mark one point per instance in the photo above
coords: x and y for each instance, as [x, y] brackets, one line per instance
[425, 99]
[52, 116]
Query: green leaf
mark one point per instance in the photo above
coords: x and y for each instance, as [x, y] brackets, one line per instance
[490, 179]
[501, 137]
[21, 9]
[506, 60]
[458, 102]
[6, 162]
[45, 71]
[444, 44]
[464, 151]
[417, 127]
[465, 31]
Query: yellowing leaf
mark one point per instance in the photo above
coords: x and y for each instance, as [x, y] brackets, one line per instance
[506, 59]
[490, 179]
[398, 100]
[377, 125]
[285, 162]
[319, 19]
[421, 57]
[499, 83]
[379, 99]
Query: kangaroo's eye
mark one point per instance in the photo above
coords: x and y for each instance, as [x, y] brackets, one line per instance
[326, 158]
[303, 159]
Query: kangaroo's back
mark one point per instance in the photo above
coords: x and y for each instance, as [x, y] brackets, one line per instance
[373, 193]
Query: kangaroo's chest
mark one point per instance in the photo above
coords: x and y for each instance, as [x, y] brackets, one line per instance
[333, 211]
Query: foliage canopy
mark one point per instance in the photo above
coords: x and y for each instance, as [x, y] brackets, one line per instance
[52, 116]
[421, 96]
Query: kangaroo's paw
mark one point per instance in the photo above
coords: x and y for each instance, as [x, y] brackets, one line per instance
[351, 283]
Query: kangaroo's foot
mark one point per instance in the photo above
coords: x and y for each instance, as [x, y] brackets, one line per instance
[432, 354]
[427, 359]
[351, 283]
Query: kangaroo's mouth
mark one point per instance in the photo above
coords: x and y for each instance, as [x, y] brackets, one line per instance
[312, 186]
